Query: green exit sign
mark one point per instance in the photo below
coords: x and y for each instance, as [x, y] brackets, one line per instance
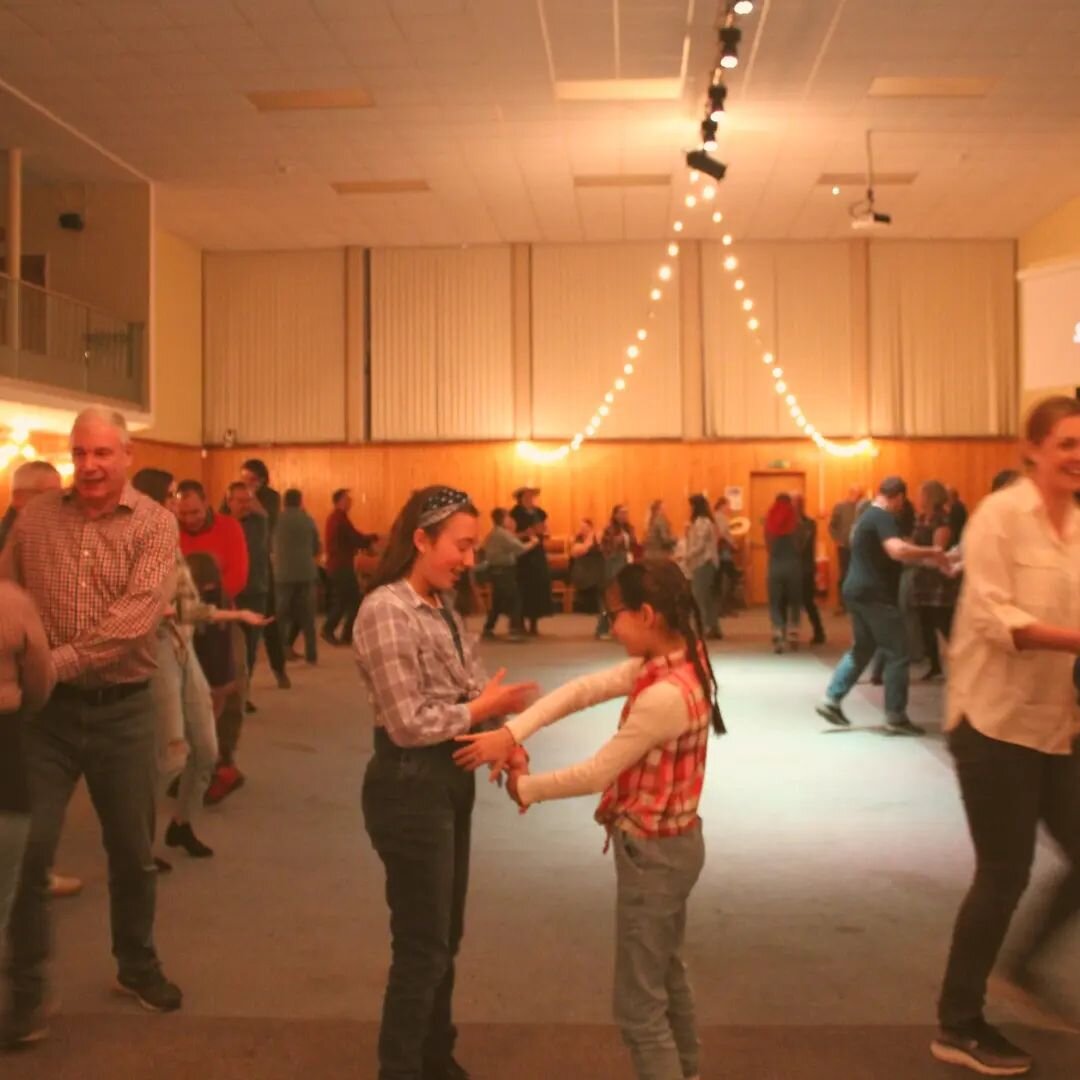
[779, 463]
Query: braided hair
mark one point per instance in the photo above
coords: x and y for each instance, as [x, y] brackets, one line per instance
[662, 585]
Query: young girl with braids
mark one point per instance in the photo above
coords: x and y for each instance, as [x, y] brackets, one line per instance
[651, 774]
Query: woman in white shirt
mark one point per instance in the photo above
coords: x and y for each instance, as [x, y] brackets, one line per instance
[1013, 726]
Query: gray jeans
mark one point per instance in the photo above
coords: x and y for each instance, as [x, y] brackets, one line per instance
[654, 1005]
[14, 829]
[113, 747]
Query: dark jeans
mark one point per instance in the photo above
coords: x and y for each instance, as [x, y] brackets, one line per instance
[344, 602]
[843, 555]
[270, 634]
[785, 595]
[934, 621]
[229, 717]
[727, 580]
[875, 625]
[113, 747]
[418, 812]
[505, 599]
[810, 602]
[1007, 791]
[296, 612]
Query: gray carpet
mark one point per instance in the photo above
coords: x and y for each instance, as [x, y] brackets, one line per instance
[818, 931]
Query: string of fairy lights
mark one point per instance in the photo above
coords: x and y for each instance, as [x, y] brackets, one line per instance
[704, 169]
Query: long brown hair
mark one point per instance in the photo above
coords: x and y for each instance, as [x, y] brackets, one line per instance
[663, 586]
[400, 553]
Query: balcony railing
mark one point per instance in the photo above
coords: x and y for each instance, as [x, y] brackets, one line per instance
[62, 343]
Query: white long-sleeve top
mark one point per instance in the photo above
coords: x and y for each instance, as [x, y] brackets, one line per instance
[658, 715]
[1017, 571]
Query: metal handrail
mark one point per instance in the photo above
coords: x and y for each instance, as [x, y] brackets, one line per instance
[64, 296]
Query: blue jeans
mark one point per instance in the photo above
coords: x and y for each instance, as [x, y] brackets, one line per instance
[876, 625]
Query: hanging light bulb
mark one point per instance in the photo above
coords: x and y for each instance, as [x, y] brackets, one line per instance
[695, 176]
[730, 262]
[642, 335]
[717, 217]
[790, 399]
[801, 421]
[768, 358]
[678, 226]
[633, 352]
[620, 384]
[673, 250]
[628, 369]
[727, 240]
[753, 323]
[655, 294]
[748, 304]
[603, 410]
[777, 372]
[781, 387]
[739, 284]
[708, 192]
[590, 430]
[609, 397]
[665, 272]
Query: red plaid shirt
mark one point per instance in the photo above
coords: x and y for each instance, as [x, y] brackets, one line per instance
[659, 795]
[100, 585]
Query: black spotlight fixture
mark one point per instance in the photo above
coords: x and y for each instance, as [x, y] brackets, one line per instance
[717, 97]
[700, 160]
[730, 36]
[708, 133]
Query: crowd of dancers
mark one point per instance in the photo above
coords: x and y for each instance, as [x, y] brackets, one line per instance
[130, 613]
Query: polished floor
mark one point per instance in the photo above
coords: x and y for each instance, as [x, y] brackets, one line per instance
[836, 860]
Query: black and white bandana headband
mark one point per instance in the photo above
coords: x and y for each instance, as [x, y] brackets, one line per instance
[441, 505]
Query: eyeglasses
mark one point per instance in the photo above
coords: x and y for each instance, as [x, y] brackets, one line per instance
[611, 613]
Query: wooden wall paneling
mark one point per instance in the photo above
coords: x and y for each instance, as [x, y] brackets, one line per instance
[599, 475]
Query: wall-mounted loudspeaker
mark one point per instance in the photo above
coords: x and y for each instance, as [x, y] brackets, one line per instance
[71, 221]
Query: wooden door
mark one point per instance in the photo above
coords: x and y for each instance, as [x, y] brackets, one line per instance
[764, 487]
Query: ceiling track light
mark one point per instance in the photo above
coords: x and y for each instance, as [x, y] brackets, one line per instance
[700, 160]
[730, 36]
[717, 97]
[743, 7]
[708, 135]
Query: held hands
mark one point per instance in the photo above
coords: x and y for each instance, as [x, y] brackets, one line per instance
[498, 750]
[495, 748]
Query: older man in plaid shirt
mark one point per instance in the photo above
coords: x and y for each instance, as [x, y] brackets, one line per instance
[98, 561]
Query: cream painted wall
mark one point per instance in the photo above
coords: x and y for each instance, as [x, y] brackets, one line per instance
[107, 264]
[1054, 238]
[177, 351]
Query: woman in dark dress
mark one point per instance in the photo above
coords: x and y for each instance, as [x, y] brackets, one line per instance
[534, 576]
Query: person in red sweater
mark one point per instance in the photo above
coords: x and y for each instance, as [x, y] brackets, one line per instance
[343, 541]
[218, 535]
